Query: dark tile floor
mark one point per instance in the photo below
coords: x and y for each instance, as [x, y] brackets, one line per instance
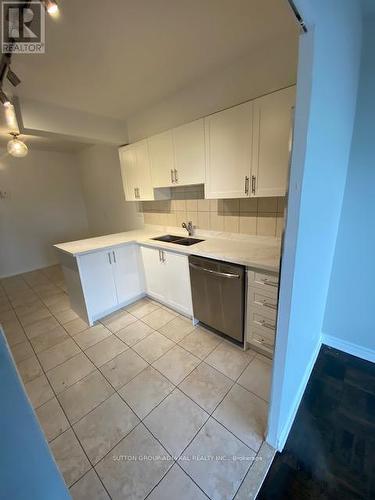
[330, 452]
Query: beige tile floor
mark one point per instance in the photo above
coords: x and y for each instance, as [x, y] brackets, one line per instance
[141, 405]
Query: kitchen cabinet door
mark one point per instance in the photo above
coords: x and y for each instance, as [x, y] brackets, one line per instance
[98, 283]
[189, 151]
[271, 144]
[143, 174]
[228, 137]
[162, 159]
[154, 273]
[128, 165]
[136, 172]
[127, 273]
[178, 290]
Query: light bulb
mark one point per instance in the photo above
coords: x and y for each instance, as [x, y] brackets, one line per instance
[17, 148]
[52, 8]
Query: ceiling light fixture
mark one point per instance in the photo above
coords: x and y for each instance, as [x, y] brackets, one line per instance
[16, 147]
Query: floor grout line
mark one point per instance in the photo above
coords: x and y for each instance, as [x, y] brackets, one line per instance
[116, 391]
[70, 426]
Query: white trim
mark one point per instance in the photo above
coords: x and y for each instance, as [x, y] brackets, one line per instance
[117, 307]
[174, 307]
[349, 347]
[284, 433]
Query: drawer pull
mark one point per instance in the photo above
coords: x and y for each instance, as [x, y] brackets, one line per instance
[264, 303]
[268, 282]
[265, 324]
[263, 342]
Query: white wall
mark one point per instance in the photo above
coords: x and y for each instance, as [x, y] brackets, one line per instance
[349, 320]
[107, 210]
[44, 206]
[266, 69]
[326, 101]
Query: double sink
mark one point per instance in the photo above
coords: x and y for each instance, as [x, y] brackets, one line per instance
[178, 240]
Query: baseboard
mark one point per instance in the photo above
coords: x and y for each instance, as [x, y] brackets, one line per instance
[298, 398]
[117, 307]
[30, 270]
[173, 307]
[349, 348]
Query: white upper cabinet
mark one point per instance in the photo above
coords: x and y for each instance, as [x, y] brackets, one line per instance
[162, 159]
[228, 152]
[189, 151]
[128, 163]
[271, 142]
[136, 171]
[240, 152]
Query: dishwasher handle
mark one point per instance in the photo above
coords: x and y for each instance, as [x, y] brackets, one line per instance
[215, 273]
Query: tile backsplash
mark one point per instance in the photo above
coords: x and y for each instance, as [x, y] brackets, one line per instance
[255, 216]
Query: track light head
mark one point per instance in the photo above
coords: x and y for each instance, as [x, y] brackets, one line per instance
[13, 78]
[51, 7]
[4, 99]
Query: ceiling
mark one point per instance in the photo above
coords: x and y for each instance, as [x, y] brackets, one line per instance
[117, 58]
[64, 145]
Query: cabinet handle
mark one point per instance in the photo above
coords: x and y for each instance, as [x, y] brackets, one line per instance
[265, 324]
[253, 184]
[172, 179]
[175, 176]
[264, 303]
[270, 283]
[263, 342]
[163, 256]
[270, 306]
[109, 257]
[135, 192]
[160, 256]
[246, 185]
[114, 257]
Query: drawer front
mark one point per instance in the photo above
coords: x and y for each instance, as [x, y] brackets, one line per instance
[263, 301]
[264, 281]
[262, 340]
[262, 323]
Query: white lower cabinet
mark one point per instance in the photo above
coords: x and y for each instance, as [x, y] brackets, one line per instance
[261, 310]
[167, 278]
[110, 279]
[154, 273]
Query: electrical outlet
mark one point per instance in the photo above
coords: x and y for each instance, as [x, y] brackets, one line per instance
[4, 195]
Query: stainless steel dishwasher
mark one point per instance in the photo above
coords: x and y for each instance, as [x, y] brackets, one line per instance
[218, 293]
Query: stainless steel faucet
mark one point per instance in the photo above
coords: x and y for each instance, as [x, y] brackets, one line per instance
[189, 227]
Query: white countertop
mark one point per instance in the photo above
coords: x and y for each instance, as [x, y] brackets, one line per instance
[251, 251]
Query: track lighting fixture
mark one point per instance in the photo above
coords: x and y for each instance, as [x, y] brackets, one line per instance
[13, 78]
[16, 147]
[4, 98]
